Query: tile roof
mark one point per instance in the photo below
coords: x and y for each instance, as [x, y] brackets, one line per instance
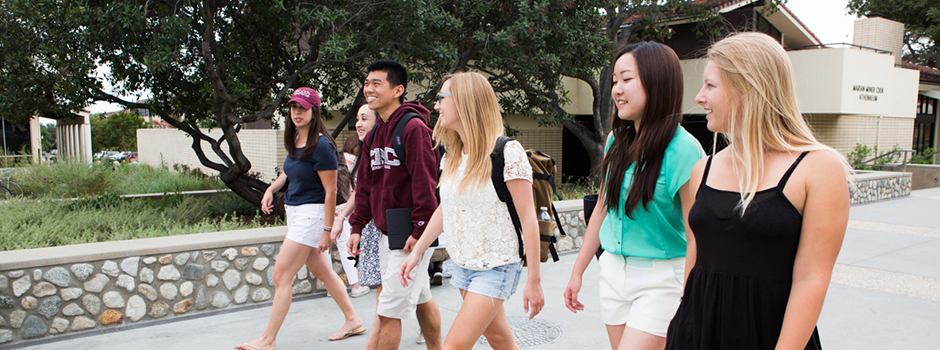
[927, 74]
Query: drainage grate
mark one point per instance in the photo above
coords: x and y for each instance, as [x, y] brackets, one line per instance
[532, 332]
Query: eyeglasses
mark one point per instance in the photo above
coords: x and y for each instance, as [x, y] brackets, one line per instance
[440, 96]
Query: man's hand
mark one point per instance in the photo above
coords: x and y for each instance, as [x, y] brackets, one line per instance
[352, 245]
[410, 244]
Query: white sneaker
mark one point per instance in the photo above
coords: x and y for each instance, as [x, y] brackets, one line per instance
[358, 292]
[421, 339]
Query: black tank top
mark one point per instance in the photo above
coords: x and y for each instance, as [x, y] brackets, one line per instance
[737, 293]
[761, 244]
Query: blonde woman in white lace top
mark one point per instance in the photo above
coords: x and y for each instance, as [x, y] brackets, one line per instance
[481, 239]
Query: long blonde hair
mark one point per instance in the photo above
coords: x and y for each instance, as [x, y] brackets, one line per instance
[478, 113]
[760, 75]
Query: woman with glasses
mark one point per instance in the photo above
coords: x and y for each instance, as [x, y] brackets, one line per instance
[481, 238]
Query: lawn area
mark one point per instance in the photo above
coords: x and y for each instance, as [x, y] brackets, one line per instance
[72, 203]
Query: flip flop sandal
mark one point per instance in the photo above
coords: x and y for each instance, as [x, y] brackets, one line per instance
[248, 346]
[344, 335]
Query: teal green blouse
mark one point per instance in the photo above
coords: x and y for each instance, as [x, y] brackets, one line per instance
[657, 231]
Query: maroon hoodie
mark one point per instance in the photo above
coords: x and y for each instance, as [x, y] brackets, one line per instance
[384, 183]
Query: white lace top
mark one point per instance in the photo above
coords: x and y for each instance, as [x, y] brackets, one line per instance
[477, 226]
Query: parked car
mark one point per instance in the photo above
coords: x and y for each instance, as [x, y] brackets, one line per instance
[106, 154]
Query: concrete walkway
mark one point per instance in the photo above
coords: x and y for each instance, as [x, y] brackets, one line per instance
[885, 294]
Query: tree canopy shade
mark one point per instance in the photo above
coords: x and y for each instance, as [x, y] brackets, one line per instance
[921, 20]
[224, 63]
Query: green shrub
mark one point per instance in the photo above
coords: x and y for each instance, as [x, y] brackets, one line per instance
[26, 224]
[860, 154]
[928, 160]
[577, 188]
[143, 178]
[863, 153]
[76, 179]
[232, 205]
[64, 180]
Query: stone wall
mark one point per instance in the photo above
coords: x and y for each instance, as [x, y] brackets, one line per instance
[873, 186]
[41, 300]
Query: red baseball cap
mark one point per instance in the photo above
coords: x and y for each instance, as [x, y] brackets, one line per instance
[306, 97]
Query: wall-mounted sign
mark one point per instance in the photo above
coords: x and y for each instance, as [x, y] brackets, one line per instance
[868, 93]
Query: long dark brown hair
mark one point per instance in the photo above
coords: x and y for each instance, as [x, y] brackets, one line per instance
[317, 128]
[661, 77]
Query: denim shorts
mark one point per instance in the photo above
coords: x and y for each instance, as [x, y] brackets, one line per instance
[499, 282]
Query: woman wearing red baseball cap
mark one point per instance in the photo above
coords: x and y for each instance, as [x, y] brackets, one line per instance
[310, 203]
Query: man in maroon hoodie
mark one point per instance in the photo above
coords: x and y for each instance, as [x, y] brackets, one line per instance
[386, 183]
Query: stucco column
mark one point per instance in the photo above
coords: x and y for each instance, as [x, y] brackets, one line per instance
[35, 139]
[86, 140]
[74, 139]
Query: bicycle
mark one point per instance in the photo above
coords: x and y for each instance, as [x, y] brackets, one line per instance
[8, 188]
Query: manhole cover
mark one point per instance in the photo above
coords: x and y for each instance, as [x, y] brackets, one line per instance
[532, 332]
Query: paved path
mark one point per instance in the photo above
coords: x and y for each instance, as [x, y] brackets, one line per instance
[885, 294]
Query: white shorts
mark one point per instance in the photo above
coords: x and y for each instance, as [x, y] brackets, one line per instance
[640, 293]
[305, 223]
[397, 301]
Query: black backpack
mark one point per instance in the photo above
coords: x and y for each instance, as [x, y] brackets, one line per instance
[541, 183]
[547, 239]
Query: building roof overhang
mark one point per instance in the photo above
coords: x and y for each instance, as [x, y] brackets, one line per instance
[928, 75]
[795, 32]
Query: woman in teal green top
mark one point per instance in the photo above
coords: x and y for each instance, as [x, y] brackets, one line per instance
[639, 220]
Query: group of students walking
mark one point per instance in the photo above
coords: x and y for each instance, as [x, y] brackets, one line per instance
[729, 251]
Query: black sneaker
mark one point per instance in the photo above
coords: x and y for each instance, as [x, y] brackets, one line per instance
[437, 279]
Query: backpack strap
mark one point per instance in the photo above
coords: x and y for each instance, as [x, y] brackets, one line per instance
[398, 142]
[371, 137]
[502, 191]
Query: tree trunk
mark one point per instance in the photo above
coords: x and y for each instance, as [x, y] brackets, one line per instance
[252, 190]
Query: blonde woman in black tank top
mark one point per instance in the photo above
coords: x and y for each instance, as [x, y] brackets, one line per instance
[770, 210]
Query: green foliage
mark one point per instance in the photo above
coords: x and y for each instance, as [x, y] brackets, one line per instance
[860, 154]
[48, 135]
[921, 20]
[577, 188]
[26, 224]
[65, 179]
[75, 179]
[928, 160]
[863, 153]
[115, 132]
[893, 158]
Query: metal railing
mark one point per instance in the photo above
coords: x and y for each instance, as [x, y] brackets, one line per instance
[903, 163]
[924, 156]
[7, 159]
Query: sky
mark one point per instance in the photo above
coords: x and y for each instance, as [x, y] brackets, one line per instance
[828, 19]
